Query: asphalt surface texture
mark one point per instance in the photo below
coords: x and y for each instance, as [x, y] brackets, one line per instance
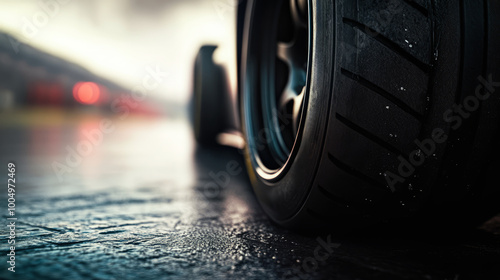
[142, 201]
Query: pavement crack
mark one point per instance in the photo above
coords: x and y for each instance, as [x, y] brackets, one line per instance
[43, 227]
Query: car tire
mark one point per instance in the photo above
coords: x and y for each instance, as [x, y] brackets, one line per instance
[393, 116]
[209, 104]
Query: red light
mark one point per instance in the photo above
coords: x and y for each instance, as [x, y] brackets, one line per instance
[86, 92]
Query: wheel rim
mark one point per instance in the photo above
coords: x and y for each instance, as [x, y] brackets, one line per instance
[276, 103]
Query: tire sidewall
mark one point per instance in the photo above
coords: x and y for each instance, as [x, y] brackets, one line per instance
[282, 199]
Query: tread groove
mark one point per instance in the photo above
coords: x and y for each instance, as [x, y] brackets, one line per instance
[331, 196]
[364, 82]
[388, 43]
[369, 135]
[417, 7]
[354, 172]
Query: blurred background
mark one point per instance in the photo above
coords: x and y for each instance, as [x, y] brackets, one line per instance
[48, 47]
[68, 65]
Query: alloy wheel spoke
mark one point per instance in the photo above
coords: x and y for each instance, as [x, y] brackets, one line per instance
[297, 110]
[298, 9]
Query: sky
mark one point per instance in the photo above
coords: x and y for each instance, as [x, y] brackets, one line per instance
[120, 39]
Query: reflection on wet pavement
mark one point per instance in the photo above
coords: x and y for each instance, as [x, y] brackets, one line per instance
[145, 202]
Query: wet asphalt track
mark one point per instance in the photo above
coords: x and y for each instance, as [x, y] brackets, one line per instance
[143, 205]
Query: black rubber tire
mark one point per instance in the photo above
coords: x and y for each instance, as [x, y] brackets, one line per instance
[209, 104]
[384, 74]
